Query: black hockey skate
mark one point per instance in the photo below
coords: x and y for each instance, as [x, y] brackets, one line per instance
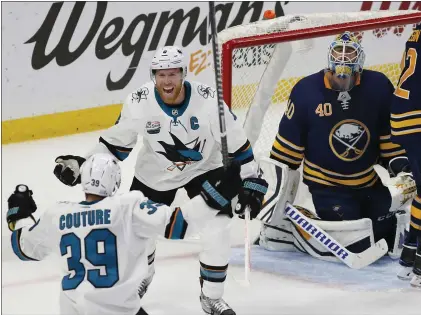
[407, 261]
[416, 278]
[143, 287]
[215, 306]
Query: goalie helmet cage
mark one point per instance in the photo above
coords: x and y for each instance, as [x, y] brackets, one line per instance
[262, 61]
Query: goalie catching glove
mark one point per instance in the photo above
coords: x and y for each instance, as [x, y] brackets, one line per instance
[21, 206]
[219, 196]
[251, 195]
[67, 169]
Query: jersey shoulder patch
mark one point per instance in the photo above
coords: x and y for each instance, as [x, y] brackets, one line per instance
[203, 90]
[142, 93]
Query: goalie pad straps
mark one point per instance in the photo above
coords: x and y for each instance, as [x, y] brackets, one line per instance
[283, 186]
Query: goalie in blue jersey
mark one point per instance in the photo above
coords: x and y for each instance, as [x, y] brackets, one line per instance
[336, 124]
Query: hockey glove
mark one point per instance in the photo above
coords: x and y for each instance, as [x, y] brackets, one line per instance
[21, 206]
[252, 194]
[219, 196]
[67, 169]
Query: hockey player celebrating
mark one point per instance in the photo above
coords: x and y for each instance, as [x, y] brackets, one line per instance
[179, 123]
[109, 232]
[406, 130]
[337, 122]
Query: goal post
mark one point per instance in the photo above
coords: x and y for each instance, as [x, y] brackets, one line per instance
[262, 61]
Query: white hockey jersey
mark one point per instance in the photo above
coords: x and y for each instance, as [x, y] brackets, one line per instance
[102, 247]
[179, 143]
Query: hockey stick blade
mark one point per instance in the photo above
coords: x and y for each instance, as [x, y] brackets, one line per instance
[352, 260]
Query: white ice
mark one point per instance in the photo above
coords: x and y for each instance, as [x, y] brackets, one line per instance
[281, 283]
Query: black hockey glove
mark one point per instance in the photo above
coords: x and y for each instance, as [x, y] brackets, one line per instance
[219, 196]
[21, 206]
[67, 169]
[252, 194]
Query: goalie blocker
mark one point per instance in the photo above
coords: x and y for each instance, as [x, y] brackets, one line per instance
[293, 228]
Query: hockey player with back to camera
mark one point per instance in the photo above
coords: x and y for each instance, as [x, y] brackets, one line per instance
[406, 130]
[179, 123]
[102, 241]
[337, 124]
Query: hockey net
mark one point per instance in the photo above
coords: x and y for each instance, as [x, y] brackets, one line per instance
[262, 61]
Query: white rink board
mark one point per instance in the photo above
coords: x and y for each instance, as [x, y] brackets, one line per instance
[33, 86]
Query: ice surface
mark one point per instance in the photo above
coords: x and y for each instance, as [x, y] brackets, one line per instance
[281, 283]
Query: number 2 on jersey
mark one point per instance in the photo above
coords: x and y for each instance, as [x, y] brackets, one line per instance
[412, 56]
[98, 257]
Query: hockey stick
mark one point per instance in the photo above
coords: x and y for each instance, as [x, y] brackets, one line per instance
[218, 80]
[222, 127]
[352, 260]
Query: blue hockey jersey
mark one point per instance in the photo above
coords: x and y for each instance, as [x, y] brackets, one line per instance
[339, 135]
[406, 105]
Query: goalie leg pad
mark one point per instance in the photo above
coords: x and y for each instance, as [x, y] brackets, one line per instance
[355, 235]
[277, 238]
[282, 188]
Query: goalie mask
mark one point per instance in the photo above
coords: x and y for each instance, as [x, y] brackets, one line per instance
[345, 61]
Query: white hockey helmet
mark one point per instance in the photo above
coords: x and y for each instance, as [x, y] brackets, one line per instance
[101, 175]
[168, 57]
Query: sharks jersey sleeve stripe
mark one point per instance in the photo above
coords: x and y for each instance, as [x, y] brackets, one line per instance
[244, 154]
[120, 153]
[176, 228]
[15, 239]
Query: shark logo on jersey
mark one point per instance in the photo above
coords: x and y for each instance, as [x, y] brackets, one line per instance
[180, 154]
[349, 139]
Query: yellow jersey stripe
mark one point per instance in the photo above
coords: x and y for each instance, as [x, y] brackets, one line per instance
[385, 137]
[415, 212]
[370, 169]
[405, 123]
[406, 132]
[317, 180]
[415, 226]
[284, 158]
[407, 114]
[346, 182]
[387, 155]
[281, 148]
[388, 146]
[292, 145]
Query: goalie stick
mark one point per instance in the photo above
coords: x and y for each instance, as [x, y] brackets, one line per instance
[352, 260]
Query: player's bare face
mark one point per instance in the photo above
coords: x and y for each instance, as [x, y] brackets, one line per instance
[342, 79]
[169, 83]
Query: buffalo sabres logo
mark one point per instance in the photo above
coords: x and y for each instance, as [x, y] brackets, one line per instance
[349, 139]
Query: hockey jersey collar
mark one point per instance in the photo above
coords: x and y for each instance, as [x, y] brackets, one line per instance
[175, 111]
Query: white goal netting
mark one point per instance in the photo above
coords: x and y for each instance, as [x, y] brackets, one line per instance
[261, 75]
